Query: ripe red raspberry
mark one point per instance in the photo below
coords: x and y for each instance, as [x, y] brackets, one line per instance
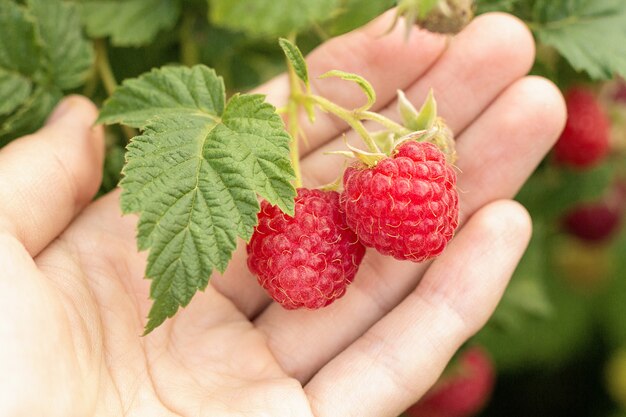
[461, 393]
[592, 222]
[597, 221]
[407, 205]
[619, 94]
[307, 260]
[585, 140]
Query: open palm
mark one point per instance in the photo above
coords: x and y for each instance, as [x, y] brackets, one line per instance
[73, 300]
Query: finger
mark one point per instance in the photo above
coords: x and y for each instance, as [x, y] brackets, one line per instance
[34, 338]
[387, 61]
[107, 239]
[470, 72]
[506, 162]
[496, 155]
[49, 176]
[400, 357]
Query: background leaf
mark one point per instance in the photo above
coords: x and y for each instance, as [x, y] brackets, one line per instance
[31, 115]
[20, 49]
[270, 18]
[589, 34]
[486, 6]
[352, 14]
[67, 55]
[128, 22]
[14, 90]
[42, 53]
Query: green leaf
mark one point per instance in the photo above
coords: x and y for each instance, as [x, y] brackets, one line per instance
[67, 54]
[296, 59]
[128, 22]
[590, 34]
[427, 115]
[360, 81]
[41, 53]
[31, 115]
[270, 18]
[408, 112]
[14, 90]
[355, 13]
[486, 6]
[169, 90]
[20, 50]
[194, 175]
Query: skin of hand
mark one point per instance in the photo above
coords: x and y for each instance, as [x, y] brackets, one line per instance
[73, 299]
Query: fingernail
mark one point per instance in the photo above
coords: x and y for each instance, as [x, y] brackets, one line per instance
[61, 110]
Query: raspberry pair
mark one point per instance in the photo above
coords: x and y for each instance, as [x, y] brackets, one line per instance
[405, 206]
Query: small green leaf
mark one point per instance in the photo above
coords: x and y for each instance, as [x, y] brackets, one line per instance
[427, 115]
[407, 111]
[270, 18]
[296, 59]
[361, 82]
[194, 175]
[128, 22]
[368, 158]
[385, 140]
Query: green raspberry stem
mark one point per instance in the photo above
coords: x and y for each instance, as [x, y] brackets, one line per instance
[384, 121]
[189, 52]
[103, 67]
[293, 123]
[348, 116]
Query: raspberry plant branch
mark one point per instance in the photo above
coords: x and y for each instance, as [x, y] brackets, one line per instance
[189, 52]
[293, 124]
[104, 66]
[394, 127]
[298, 71]
[346, 115]
[104, 71]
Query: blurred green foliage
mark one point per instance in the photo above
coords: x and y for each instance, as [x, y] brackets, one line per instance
[549, 328]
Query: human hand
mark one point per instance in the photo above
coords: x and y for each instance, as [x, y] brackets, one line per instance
[73, 300]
